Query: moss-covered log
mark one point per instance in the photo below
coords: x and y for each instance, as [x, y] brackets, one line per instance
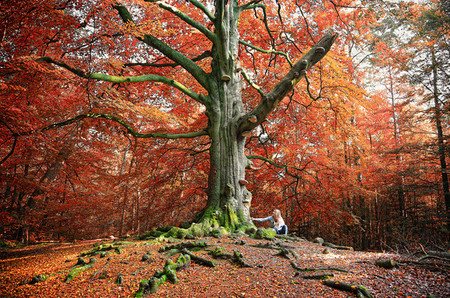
[342, 247]
[360, 291]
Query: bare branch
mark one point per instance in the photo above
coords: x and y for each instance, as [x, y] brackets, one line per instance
[267, 51]
[297, 72]
[285, 167]
[200, 57]
[13, 145]
[126, 79]
[127, 126]
[256, 87]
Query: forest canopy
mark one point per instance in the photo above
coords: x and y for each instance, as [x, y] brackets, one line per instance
[118, 116]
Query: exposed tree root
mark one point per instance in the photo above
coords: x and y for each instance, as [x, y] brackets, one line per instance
[320, 241]
[236, 257]
[288, 254]
[37, 279]
[103, 248]
[101, 269]
[360, 291]
[77, 271]
[188, 245]
[318, 276]
[220, 253]
[296, 267]
[137, 271]
[386, 263]
[331, 245]
[239, 259]
[274, 245]
[197, 259]
[160, 277]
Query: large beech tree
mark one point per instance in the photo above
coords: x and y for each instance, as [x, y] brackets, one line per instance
[207, 70]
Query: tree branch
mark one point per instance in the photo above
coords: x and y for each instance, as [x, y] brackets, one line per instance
[211, 36]
[13, 145]
[256, 87]
[249, 5]
[266, 24]
[203, 8]
[166, 50]
[126, 79]
[285, 167]
[267, 51]
[269, 102]
[127, 126]
[200, 57]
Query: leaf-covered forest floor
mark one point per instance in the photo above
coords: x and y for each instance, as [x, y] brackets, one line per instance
[270, 274]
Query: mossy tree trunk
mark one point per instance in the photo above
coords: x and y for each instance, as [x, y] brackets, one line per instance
[227, 190]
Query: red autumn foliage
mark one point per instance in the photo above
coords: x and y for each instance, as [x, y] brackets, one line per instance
[349, 161]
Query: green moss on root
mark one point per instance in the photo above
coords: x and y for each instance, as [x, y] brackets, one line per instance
[160, 277]
[262, 233]
[76, 271]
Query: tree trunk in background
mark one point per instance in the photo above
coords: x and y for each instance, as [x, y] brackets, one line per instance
[441, 145]
[398, 157]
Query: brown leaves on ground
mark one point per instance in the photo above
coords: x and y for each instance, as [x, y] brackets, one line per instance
[270, 276]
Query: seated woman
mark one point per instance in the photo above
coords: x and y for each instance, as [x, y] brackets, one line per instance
[276, 222]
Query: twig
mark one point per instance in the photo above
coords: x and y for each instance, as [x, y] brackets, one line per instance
[93, 275]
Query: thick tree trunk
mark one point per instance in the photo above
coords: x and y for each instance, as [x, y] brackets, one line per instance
[227, 185]
[229, 200]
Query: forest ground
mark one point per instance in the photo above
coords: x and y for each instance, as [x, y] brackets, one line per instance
[270, 275]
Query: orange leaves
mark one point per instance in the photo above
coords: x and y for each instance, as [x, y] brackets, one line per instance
[150, 27]
[7, 87]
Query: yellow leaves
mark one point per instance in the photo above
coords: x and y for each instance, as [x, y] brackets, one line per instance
[115, 63]
[147, 27]
[114, 100]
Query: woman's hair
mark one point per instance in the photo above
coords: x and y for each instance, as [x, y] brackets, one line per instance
[277, 214]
